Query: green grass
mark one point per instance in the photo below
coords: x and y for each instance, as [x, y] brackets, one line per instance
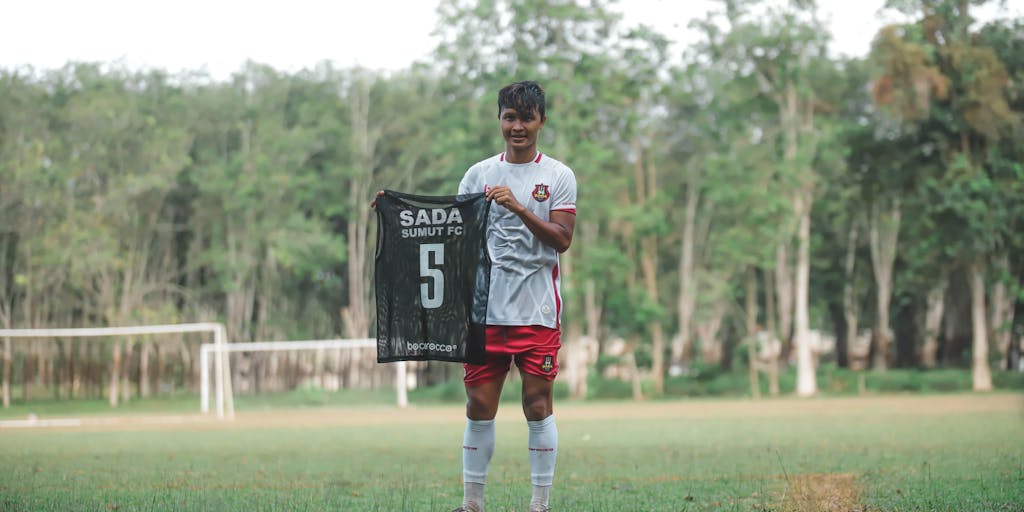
[189, 403]
[907, 453]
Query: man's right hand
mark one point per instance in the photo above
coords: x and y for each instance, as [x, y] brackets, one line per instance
[373, 203]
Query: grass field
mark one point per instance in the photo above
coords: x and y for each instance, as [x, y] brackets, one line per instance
[960, 452]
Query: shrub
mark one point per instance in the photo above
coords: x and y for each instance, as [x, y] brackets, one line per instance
[610, 388]
[1008, 380]
[711, 381]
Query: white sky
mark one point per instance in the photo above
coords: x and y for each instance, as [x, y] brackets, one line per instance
[218, 36]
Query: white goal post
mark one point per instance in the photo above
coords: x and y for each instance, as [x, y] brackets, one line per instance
[223, 386]
[219, 340]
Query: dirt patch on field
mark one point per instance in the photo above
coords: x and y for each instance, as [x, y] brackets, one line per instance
[828, 492]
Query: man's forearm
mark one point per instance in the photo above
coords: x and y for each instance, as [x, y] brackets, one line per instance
[553, 233]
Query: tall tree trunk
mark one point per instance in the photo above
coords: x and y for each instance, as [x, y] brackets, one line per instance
[1001, 324]
[82, 366]
[933, 323]
[27, 375]
[806, 381]
[144, 350]
[788, 101]
[687, 283]
[850, 309]
[44, 365]
[884, 234]
[355, 315]
[9, 244]
[126, 383]
[590, 341]
[7, 373]
[770, 316]
[981, 374]
[751, 309]
[5, 312]
[243, 251]
[161, 362]
[634, 371]
[54, 371]
[784, 296]
[647, 189]
[711, 346]
[187, 371]
[591, 302]
[115, 375]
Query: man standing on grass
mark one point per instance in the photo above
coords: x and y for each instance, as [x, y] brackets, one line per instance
[531, 222]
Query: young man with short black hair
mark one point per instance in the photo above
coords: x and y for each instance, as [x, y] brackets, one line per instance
[531, 222]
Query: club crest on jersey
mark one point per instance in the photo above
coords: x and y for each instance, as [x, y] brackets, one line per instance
[540, 192]
[548, 364]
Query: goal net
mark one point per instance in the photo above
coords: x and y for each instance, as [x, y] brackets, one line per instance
[273, 365]
[221, 362]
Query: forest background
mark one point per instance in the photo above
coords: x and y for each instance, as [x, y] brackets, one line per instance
[754, 204]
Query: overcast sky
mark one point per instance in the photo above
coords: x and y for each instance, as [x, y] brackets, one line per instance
[219, 35]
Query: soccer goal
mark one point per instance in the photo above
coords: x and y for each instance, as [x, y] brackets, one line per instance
[221, 363]
[215, 354]
[223, 387]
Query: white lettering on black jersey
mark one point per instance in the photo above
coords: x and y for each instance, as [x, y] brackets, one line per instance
[432, 276]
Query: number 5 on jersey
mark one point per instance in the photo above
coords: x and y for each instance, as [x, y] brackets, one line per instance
[431, 261]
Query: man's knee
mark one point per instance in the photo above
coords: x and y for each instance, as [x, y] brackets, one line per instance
[482, 402]
[537, 401]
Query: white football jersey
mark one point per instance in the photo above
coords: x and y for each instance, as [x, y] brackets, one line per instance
[525, 285]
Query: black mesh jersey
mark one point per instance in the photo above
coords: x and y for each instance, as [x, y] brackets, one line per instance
[432, 276]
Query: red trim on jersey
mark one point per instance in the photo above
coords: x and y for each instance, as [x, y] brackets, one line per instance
[566, 210]
[535, 160]
[558, 299]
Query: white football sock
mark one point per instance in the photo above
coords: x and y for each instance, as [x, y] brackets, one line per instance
[477, 448]
[543, 442]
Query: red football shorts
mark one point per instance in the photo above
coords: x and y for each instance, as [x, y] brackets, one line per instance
[534, 349]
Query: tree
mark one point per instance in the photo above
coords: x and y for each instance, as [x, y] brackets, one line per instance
[783, 50]
[938, 79]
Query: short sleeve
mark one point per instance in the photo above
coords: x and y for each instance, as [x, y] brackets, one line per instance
[467, 186]
[563, 198]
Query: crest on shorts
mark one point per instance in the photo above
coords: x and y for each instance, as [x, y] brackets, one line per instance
[540, 192]
[548, 364]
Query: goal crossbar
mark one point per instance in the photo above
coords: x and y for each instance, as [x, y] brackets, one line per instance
[70, 332]
[267, 346]
[219, 336]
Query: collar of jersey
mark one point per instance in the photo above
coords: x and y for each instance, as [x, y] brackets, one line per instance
[536, 159]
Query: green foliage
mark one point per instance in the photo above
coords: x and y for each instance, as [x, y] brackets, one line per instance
[140, 196]
[832, 381]
[609, 389]
[941, 83]
[632, 311]
[449, 391]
